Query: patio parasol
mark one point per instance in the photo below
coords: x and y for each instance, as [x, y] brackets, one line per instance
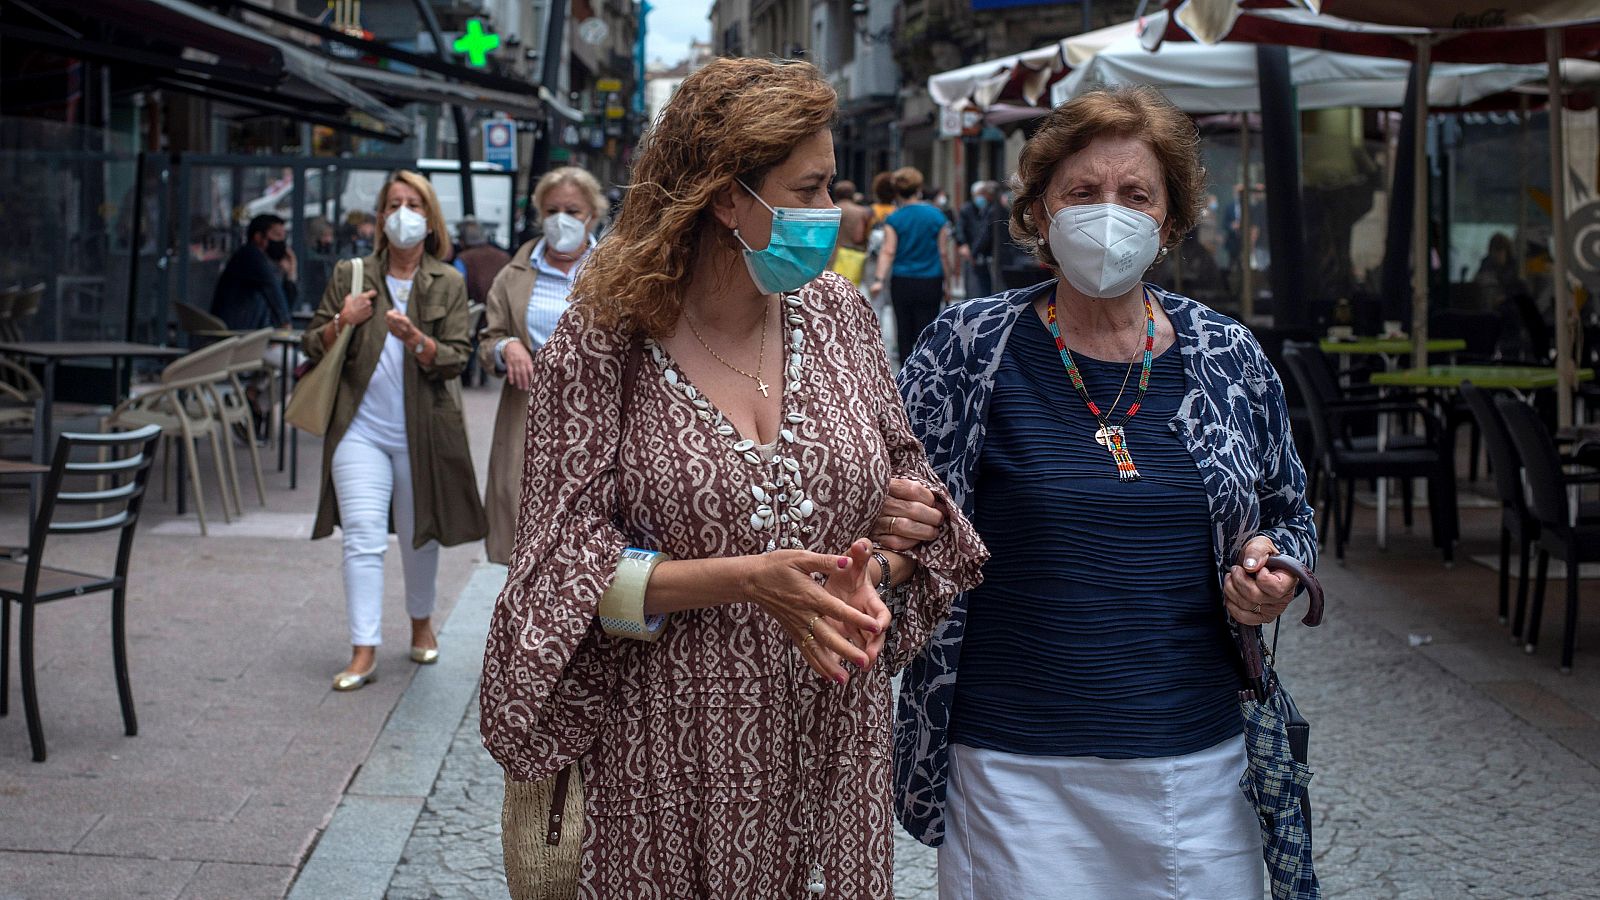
[1424, 30]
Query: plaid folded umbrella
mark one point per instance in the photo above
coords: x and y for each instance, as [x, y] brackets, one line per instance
[1274, 783]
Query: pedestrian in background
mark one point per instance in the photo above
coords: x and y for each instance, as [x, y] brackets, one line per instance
[396, 447]
[710, 383]
[478, 260]
[882, 197]
[850, 257]
[525, 302]
[975, 227]
[915, 260]
[257, 285]
[1092, 746]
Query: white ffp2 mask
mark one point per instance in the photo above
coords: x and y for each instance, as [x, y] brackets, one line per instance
[405, 227]
[1103, 249]
[564, 232]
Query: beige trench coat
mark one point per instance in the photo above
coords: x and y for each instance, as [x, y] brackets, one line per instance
[442, 479]
[506, 315]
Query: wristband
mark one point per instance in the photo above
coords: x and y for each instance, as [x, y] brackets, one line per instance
[622, 605]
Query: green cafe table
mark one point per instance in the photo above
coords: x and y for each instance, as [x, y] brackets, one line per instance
[1520, 380]
[1389, 349]
[1389, 346]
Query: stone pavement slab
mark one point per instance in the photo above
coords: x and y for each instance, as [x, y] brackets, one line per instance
[378, 815]
[243, 751]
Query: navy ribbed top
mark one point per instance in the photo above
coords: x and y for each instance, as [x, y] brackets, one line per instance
[1098, 629]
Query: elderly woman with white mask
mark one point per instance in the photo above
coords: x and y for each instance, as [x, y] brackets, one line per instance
[524, 304]
[1125, 454]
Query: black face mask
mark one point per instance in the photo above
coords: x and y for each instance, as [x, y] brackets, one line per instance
[277, 250]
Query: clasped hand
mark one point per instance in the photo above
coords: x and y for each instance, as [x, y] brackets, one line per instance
[841, 619]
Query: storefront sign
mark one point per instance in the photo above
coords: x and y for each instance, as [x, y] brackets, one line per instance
[500, 143]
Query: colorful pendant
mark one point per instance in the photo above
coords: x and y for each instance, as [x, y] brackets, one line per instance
[1111, 437]
[1115, 439]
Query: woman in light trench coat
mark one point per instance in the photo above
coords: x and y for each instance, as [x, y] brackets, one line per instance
[395, 455]
[525, 302]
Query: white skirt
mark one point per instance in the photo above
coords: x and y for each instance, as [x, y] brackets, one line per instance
[1085, 828]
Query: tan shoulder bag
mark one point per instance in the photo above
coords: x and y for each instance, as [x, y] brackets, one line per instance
[311, 406]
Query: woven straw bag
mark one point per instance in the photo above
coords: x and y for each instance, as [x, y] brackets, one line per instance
[542, 846]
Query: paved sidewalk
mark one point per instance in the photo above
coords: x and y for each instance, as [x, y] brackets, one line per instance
[243, 751]
[1460, 768]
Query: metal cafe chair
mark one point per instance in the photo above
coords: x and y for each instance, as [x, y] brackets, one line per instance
[123, 463]
[1570, 534]
[1517, 522]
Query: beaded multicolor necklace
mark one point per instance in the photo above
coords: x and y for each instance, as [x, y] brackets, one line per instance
[1112, 437]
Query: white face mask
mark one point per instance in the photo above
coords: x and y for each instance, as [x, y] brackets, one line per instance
[564, 232]
[405, 227]
[1103, 249]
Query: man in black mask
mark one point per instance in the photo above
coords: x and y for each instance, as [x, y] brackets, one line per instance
[257, 285]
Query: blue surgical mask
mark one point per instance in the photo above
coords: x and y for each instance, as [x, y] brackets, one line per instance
[981, 202]
[801, 244]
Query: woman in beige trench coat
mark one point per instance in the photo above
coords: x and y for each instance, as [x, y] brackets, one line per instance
[395, 455]
[524, 304]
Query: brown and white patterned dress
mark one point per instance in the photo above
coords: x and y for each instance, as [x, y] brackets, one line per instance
[715, 763]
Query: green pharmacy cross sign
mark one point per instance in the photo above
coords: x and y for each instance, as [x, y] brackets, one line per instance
[475, 43]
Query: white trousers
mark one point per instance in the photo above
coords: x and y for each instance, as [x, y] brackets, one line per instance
[1084, 828]
[367, 476]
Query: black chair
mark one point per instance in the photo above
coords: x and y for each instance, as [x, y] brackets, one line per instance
[1573, 539]
[1517, 522]
[1341, 459]
[116, 495]
[1360, 424]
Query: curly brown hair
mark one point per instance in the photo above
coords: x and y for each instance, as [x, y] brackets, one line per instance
[733, 119]
[1138, 112]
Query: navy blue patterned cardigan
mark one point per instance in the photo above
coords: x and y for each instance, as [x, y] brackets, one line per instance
[1233, 420]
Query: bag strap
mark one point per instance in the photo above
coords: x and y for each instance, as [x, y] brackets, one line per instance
[558, 802]
[358, 275]
[1258, 684]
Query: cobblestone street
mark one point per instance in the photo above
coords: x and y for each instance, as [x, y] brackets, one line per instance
[1429, 783]
[454, 852]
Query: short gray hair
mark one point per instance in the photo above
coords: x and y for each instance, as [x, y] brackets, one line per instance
[471, 233]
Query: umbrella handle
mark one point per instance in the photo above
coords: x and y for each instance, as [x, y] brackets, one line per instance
[1277, 562]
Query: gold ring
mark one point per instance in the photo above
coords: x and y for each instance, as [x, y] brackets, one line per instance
[811, 623]
[892, 520]
[1257, 609]
[808, 639]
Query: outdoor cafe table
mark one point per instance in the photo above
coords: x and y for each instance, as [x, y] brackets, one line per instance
[1520, 380]
[51, 353]
[1391, 349]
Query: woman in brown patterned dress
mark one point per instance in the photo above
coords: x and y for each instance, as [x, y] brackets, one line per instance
[730, 405]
